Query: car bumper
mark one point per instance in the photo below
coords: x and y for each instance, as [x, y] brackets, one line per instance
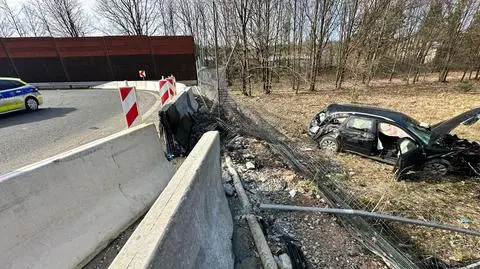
[39, 97]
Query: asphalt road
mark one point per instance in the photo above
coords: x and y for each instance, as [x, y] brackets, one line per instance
[67, 119]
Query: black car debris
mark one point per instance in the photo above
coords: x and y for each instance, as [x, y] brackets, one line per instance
[395, 138]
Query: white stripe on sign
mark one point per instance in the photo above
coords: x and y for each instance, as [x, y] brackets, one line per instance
[129, 101]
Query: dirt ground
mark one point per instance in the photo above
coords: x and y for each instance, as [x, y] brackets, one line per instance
[453, 200]
[324, 242]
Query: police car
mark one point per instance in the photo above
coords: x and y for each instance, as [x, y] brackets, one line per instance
[16, 94]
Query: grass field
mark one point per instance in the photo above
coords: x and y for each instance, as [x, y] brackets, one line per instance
[453, 200]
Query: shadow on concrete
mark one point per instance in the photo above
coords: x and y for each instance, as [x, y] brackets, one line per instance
[22, 117]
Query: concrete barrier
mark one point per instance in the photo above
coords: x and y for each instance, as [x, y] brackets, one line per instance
[190, 225]
[149, 85]
[60, 212]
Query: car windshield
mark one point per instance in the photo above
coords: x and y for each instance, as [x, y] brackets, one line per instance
[421, 132]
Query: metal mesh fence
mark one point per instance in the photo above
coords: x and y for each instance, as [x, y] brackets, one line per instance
[215, 89]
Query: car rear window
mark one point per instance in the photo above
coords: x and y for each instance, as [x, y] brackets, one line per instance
[361, 124]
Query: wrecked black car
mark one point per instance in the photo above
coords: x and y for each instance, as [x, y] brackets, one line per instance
[395, 138]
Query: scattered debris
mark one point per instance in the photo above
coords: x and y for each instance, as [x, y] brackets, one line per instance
[298, 259]
[292, 193]
[464, 220]
[248, 156]
[284, 261]
[263, 249]
[250, 165]
[268, 183]
[229, 189]
[226, 177]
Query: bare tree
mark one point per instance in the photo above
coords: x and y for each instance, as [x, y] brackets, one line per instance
[63, 17]
[34, 23]
[322, 22]
[131, 17]
[11, 16]
[347, 21]
[5, 29]
[243, 9]
[459, 15]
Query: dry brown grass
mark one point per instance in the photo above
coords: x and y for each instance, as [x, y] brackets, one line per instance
[444, 201]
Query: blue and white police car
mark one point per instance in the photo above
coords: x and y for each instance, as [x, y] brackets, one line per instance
[16, 94]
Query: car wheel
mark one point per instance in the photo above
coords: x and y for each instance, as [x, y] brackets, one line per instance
[436, 168]
[31, 104]
[329, 144]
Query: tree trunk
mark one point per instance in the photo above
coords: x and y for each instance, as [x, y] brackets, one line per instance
[245, 63]
[393, 69]
[463, 76]
[313, 54]
[445, 69]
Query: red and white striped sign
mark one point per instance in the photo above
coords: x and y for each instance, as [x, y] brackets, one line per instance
[142, 74]
[164, 91]
[172, 92]
[129, 104]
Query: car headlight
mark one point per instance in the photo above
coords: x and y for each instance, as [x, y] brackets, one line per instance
[322, 117]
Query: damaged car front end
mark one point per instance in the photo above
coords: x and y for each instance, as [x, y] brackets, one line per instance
[444, 152]
[397, 139]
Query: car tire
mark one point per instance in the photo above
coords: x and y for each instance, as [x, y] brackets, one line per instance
[329, 144]
[436, 168]
[31, 104]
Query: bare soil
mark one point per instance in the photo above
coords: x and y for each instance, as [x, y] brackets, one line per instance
[453, 200]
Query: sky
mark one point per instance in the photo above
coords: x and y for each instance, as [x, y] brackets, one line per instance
[88, 4]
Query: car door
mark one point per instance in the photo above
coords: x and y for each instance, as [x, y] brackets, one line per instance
[357, 135]
[18, 94]
[5, 96]
[12, 95]
[411, 156]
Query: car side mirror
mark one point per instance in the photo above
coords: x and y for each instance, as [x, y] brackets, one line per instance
[406, 145]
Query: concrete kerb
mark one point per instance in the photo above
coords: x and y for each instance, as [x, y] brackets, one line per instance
[58, 213]
[190, 225]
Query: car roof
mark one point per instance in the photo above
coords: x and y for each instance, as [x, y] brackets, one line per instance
[10, 78]
[378, 112]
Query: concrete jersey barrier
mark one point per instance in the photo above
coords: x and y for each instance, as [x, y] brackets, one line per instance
[190, 225]
[60, 212]
[148, 85]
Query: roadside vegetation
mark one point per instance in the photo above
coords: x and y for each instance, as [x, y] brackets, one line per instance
[452, 200]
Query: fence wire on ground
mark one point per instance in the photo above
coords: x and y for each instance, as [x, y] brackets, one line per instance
[376, 235]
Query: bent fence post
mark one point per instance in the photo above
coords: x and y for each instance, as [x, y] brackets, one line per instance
[370, 215]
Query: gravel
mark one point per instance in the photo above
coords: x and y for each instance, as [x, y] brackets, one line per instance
[325, 243]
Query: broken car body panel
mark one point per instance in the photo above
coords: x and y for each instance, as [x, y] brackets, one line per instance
[384, 134]
[445, 127]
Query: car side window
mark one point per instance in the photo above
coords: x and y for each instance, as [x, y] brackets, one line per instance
[3, 85]
[338, 120]
[9, 84]
[15, 84]
[360, 124]
[392, 130]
